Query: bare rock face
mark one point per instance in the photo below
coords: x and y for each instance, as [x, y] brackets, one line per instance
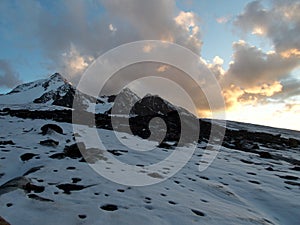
[73, 151]
[3, 221]
[51, 127]
[126, 98]
[153, 106]
[13, 184]
[49, 142]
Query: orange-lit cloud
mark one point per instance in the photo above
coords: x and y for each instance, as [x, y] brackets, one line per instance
[290, 53]
[265, 89]
[235, 97]
[74, 62]
[162, 68]
[147, 48]
[232, 95]
[167, 38]
[188, 21]
[258, 30]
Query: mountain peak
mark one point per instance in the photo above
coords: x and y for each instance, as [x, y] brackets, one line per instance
[129, 94]
[57, 77]
[51, 90]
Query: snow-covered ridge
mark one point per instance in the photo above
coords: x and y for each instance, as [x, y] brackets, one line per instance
[54, 81]
[54, 92]
[30, 92]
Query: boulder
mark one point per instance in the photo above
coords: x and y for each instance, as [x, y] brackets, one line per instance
[51, 127]
[3, 221]
[49, 142]
[73, 151]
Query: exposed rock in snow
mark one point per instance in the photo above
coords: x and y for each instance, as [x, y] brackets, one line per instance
[3, 221]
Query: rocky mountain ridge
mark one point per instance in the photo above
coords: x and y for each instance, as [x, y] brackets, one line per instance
[253, 179]
[57, 91]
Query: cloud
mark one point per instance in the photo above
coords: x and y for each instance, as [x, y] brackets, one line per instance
[112, 28]
[218, 61]
[147, 48]
[188, 21]
[232, 95]
[223, 19]
[169, 82]
[73, 63]
[8, 76]
[280, 23]
[254, 77]
[236, 96]
[290, 90]
[157, 20]
[267, 90]
[251, 66]
[258, 76]
[59, 28]
[162, 68]
[216, 67]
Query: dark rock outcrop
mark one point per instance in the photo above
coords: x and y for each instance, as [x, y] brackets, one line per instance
[27, 156]
[10, 142]
[3, 221]
[173, 118]
[49, 142]
[68, 188]
[73, 151]
[51, 127]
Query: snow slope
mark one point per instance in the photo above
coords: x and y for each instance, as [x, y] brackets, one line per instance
[238, 188]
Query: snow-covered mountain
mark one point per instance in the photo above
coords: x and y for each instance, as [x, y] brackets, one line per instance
[54, 91]
[47, 91]
[122, 102]
[127, 102]
[254, 179]
[57, 92]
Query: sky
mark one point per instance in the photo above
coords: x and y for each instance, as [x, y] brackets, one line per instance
[252, 47]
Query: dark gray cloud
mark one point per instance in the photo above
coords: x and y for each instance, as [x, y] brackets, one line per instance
[155, 20]
[251, 66]
[8, 76]
[71, 34]
[290, 89]
[280, 23]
